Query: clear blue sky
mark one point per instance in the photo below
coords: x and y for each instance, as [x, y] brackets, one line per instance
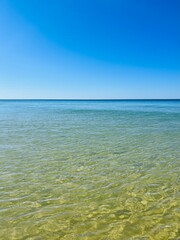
[89, 49]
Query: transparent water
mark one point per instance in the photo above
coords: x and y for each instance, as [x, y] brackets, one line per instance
[90, 170]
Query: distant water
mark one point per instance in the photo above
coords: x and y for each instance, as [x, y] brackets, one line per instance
[89, 170]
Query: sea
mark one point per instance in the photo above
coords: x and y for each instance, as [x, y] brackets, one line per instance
[90, 169]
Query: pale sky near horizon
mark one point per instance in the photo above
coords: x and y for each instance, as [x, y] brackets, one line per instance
[89, 49]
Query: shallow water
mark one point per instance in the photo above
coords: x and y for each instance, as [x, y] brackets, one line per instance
[90, 170]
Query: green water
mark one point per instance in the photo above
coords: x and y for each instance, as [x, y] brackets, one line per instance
[89, 170]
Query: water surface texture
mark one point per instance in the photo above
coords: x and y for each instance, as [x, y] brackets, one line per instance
[89, 170]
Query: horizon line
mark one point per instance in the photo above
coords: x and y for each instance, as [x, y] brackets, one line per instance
[88, 99]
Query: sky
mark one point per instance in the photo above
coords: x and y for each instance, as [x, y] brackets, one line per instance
[76, 49]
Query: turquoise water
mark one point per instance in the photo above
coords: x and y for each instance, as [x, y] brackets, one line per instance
[90, 170]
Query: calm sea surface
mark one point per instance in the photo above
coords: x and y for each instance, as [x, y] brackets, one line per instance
[89, 170]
